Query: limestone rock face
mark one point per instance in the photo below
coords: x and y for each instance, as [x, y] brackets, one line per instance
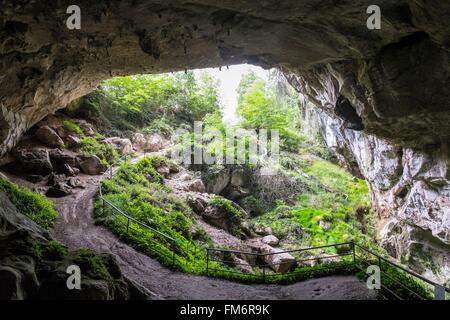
[410, 190]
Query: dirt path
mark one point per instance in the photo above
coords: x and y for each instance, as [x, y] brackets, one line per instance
[75, 228]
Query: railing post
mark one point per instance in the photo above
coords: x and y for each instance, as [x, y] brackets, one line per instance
[353, 251]
[207, 261]
[439, 292]
[103, 206]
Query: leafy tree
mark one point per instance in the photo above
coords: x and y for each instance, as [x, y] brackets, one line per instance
[260, 106]
[154, 102]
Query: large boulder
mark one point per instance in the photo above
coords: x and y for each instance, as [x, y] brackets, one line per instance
[60, 189]
[92, 165]
[151, 143]
[196, 186]
[49, 137]
[274, 258]
[86, 127]
[222, 217]
[35, 161]
[124, 146]
[62, 158]
[271, 240]
[216, 179]
[58, 186]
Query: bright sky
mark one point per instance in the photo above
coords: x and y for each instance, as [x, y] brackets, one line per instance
[229, 81]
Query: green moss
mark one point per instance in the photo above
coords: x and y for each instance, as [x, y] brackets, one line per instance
[73, 126]
[91, 146]
[51, 250]
[35, 206]
[92, 263]
[228, 206]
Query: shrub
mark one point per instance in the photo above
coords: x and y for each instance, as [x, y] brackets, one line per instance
[92, 263]
[73, 126]
[91, 146]
[35, 206]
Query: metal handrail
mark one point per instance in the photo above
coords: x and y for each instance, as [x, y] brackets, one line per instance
[275, 253]
[402, 268]
[109, 171]
[355, 256]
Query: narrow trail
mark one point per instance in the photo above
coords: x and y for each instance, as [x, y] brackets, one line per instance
[75, 228]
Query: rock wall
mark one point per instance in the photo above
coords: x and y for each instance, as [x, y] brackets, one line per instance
[410, 191]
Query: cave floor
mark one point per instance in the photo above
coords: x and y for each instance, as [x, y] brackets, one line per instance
[75, 228]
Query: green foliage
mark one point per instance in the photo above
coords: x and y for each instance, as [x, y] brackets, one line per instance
[51, 250]
[138, 190]
[73, 126]
[334, 209]
[35, 206]
[89, 262]
[260, 107]
[154, 103]
[252, 206]
[226, 205]
[92, 146]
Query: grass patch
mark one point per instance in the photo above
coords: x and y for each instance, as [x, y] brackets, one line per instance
[35, 206]
[92, 263]
[73, 127]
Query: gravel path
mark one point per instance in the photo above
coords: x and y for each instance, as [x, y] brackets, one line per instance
[75, 228]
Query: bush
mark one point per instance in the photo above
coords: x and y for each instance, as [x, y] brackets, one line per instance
[107, 153]
[91, 263]
[73, 126]
[35, 206]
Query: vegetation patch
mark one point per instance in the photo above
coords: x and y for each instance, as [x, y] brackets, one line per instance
[35, 206]
[137, 189]
[91, 263]
[92, 146]
[73, 127]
